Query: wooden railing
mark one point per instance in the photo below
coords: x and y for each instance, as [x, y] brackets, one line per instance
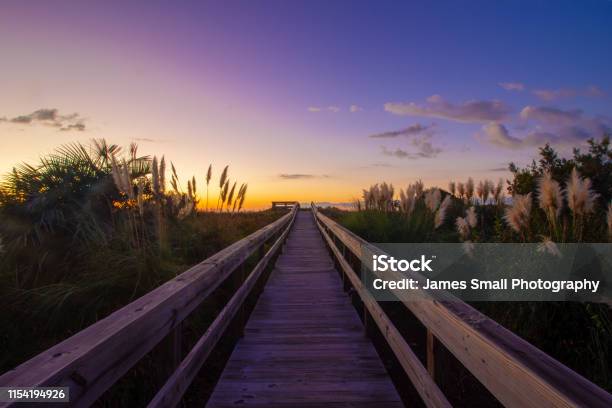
[514, 371]
[283, 204]
[91, 361]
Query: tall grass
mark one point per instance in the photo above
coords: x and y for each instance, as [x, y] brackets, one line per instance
[556, 200]
[90, 228]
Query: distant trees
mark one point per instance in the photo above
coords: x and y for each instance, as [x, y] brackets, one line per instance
[595, 164]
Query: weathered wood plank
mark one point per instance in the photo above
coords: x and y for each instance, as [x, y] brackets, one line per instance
[304, 343]
[493, 354]
[426, 387]
[95, 358]
[174, 388]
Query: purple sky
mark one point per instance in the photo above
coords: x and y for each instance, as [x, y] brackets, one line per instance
[308, 100]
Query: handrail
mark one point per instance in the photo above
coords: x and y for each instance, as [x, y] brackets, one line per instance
[513, 370]
[424, 384]
[172, 392]
[91, 361]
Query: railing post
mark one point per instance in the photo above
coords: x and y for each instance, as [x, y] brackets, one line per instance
[176, 344]
[239, 278]
[344, 277]
[242, 315]
[431, 358]
[172, 352]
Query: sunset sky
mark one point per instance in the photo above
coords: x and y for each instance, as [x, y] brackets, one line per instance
[308, 100]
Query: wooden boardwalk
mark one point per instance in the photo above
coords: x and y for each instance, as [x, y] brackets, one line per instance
[304, 345]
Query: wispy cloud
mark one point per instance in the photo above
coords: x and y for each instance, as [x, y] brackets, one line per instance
[497, 134]
[554, 94]
[147, 140]
[300, 176]
[399, 153]
[49, 117]
[537, 125]
[512, 86]
[411, 130]
[549, 95]
[422, 148]
[355, 108]
[594, 91]
[570, 123]
[437, 107]
[332, 108]
[550, 115]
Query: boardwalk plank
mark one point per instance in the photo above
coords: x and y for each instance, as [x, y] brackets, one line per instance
[304, 344]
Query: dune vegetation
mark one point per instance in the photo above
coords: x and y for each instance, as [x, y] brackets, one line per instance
[554, 200]
[92, 227]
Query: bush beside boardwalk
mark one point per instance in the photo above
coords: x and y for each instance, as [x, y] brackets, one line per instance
[553, 200]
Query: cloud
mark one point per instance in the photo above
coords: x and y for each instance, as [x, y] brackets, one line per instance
[299, 176]
[594, 91]
[355, 108]
[49, 117]
[554, 94]
[146, 140]
[499, 169]
[411, 130]
[399, 153]
[498, 135]
[550, 115]
[437, 107]
[512, 86]
[571, 125]
[549, 95]
[423, 149]
[333, 109]
[74, 126]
